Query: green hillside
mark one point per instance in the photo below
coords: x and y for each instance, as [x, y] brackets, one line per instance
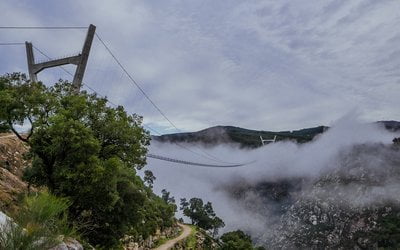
[245, 137]
[251, 138]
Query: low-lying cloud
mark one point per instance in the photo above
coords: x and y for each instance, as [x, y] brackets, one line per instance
[233, 191]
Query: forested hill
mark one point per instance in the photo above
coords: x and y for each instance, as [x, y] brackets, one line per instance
[391, 125]
[251, 138]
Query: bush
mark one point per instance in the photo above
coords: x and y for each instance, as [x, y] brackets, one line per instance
[202, 215]
[38, 224]
[236, 240]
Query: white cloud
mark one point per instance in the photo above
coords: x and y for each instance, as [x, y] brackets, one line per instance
[260, 64]
[275, 162]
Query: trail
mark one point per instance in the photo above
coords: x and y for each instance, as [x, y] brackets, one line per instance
[169, 244]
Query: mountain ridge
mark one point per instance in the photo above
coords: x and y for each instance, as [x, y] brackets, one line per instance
[251, 138]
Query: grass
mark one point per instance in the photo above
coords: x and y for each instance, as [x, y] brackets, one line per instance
[38, 224]
[161, 241]
[191, 240]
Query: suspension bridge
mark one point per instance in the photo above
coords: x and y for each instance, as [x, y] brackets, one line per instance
[80, 60]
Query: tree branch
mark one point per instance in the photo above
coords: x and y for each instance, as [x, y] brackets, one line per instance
[16, 133]
[31, 132]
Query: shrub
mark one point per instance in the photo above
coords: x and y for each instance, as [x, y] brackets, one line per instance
[236, 240]
[38, 224]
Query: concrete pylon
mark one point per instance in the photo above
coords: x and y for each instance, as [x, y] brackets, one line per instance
[79, 60]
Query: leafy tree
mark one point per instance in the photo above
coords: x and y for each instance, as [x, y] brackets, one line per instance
[88, 152]
[184, 205]
[157, 214]
[165, 195]
[387, 232]
[21, 102]
[201, 214]
[149, 178]
[236, 240]
[217, 224]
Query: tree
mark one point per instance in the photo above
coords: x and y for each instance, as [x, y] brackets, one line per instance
[201, 214]
[217, 224]
[149, 178]
[83, 150]
[165, 195]
[21, 102]
[236, 240]
[184, 204]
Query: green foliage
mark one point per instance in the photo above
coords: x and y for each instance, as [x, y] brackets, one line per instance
[251, 138]
[21, 101]
[201, 214]
[38, 224]
[199, 239]
[236, 240]
[245, 137]
[46, 210]
[166, 196]
[149, 178]
[388, 233]
[4, 128]
[191, 241]
[217, 223]
[88, 152]
[156, 214]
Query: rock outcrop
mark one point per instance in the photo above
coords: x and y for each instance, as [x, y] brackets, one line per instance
[12, 164]
[68, 244]
[352, 204]
[130, 243]
[355, 206]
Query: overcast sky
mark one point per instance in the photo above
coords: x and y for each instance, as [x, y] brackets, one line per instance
[271, 65]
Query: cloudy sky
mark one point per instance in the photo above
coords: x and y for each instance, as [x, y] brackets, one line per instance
[271, 65]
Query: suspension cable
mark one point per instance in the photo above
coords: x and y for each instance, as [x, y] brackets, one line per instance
[43, 27]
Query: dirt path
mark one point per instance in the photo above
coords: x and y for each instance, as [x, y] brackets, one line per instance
[185, 233]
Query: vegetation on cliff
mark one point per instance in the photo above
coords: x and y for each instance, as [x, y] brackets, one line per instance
[202, 215]
[237, 240]
[244, 137]
[40, 223]
[88, 153]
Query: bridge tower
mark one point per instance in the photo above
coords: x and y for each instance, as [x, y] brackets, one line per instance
[79, 60]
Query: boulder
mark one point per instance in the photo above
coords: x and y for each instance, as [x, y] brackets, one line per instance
[68, 244]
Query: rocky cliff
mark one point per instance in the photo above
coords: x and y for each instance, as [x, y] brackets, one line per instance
[12, 164]
[353, 204]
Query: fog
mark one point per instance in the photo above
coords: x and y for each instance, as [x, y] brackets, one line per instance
[275, 161]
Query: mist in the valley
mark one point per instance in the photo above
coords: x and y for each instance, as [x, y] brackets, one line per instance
[233, 191]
